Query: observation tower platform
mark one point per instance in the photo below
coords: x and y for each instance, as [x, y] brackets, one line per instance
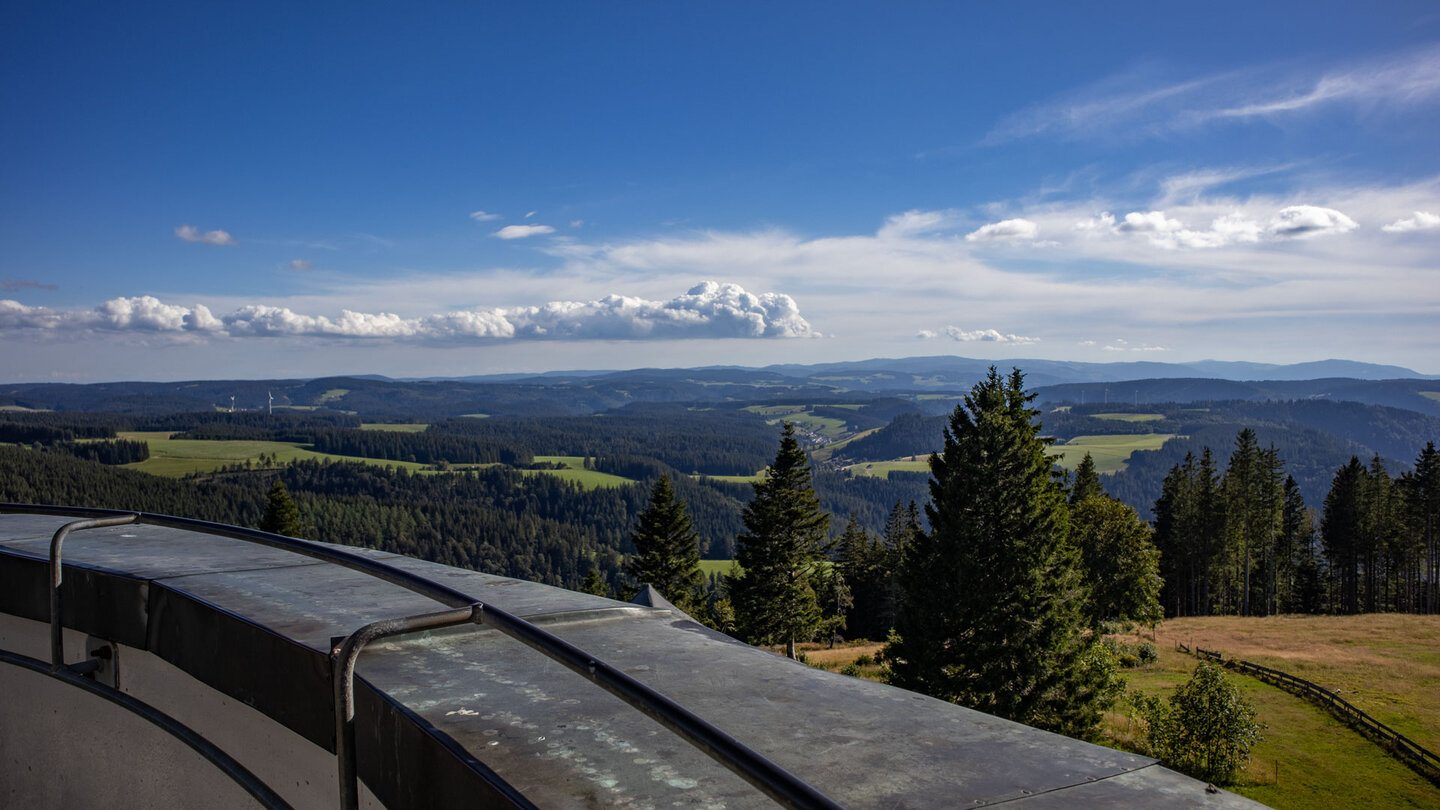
[201, 665]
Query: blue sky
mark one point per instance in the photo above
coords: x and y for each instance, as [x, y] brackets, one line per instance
[448, 189]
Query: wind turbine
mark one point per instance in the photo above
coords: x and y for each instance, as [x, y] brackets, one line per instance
[271, 409]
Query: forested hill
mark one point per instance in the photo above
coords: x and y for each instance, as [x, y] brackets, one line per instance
[929, 383]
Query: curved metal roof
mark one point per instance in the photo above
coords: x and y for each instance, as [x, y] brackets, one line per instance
[439, 712]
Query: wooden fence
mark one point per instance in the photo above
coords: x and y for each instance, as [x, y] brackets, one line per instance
[1426, 762]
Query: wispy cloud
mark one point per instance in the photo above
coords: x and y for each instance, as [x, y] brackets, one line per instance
[1134, 105]
[302, 265]
[523, 231]
[192, 234]
[1006, 230]
[483, 216]
[707, 310]
[17, 284]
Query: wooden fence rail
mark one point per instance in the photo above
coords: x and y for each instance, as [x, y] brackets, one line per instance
[1399, 744]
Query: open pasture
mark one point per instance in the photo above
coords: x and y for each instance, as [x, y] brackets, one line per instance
[1131, 417]
[1308, 758]
[1109, 452]
[574, 471]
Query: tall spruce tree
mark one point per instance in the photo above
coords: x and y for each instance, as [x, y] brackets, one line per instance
[281, 516]
[1421, 488]
[992, 609]
[785, 539]
[1087, 481]
[667, 549]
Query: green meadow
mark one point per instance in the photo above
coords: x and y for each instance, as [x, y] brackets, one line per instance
[1109, 452]
[1131, 417]
[174, 458]
[574, 470]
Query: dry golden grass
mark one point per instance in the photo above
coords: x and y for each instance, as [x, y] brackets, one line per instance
[1386, 664]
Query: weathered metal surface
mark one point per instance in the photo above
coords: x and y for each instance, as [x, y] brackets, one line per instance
[258, 623]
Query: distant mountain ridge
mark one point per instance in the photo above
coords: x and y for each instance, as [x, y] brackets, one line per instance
[926, 382]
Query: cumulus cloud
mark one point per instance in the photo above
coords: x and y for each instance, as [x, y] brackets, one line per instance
[1004, 230]
[707, 310]
[523, 231]
[302, 265]
[1422, 221]
[14, 284]
[978, 335]
[190, 233]
[1164, 231]
[1306, 221]
[483, 216]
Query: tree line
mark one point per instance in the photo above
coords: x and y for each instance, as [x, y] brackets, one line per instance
[1243, 541]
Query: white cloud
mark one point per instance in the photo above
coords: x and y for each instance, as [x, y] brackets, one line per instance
[979, 335]
[1234, 228]
[192, 234]
[916, 223]
[302, 265]
[707, 310]
[1133, 105]
[523, 231]
[1004, 230]
[530, 214]
[483, 216]
[1422, 221]
[575, 223]
[1306, 221]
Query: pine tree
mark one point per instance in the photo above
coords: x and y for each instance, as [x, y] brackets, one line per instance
[1341, 529]
[1421, 489]
[595, 585]
[784, 540]
[991, 616]
[667, 549]
[1087, 481]
[282, 516]
[860, 559]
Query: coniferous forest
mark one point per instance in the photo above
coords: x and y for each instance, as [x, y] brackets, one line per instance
[1256, 506]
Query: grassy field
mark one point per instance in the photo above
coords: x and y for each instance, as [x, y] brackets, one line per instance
[1109, 452]
[882, 469]
[1308, 758]
[1387, 664]
[752, 478]
[174, 458]
[397, 428]
[1435, 395]
[575, 471]
[1131, 417]
[708, 567]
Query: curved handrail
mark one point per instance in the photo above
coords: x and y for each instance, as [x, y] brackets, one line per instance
[780, 785]
[212, 753]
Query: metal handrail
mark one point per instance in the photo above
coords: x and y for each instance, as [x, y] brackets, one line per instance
[212, 753]
[57, 630]
[780, 785]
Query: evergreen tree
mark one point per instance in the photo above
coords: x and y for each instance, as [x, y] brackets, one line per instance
[1087, 481]
[282, 516]
[595, 585]
[861, 560]
[1119, 561]
[1341, 529]
[1421, 488]
[992, 608]
[667, 549]
[784, 540]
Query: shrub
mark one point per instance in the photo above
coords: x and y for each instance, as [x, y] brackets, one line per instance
[1205, 730]
[853, 670]
[864, 661]
[1147, 653]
